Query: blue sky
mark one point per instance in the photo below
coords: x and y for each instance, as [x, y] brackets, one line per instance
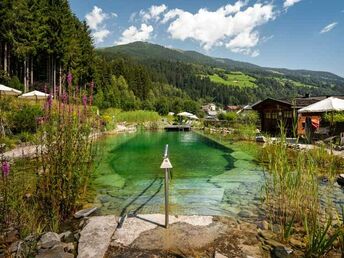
[296, 34]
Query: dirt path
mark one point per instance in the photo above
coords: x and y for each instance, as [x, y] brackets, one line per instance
[20, 152]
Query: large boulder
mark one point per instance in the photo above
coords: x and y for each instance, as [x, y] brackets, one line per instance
[96, 236]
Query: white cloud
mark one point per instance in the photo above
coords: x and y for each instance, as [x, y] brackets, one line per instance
[132, 17]
[114, 14]
[289, 3]
[95, 17]
[95, 20]
[100, 35]
[135, 34]
[329, 27]
[153, 12]
[229, 25]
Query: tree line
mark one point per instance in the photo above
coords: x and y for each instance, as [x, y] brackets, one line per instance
[41, 41]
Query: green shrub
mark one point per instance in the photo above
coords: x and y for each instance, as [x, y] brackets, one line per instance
[337, 117]
[24, 119]
[138, 116]
[229, 116]
[15, 83]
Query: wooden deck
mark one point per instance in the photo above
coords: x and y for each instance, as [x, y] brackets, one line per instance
[178, 128]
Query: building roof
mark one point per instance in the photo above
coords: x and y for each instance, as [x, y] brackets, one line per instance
[258, 104]
[296, 103]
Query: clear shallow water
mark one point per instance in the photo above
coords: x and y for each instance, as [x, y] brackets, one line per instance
[207, 177]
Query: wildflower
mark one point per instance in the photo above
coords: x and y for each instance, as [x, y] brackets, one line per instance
[64, 97]
[5, 168]
[91, 97]
[40, 120]
[69, 78]
[84, 100]
[50, 101]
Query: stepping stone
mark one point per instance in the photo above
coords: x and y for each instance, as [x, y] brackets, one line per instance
[96, 236]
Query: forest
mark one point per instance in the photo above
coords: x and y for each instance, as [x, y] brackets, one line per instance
[41, 41]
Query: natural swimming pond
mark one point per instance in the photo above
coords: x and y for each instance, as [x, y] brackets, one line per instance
[208, 178]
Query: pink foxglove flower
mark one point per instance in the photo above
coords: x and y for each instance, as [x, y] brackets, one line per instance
[5, 168]
[69, 78]
[84, 100]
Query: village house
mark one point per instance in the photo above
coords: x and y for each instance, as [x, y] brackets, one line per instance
[210, 111]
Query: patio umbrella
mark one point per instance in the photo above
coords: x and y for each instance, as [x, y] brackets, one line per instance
[193, 117]
[34, 95]
[330, 104]
[185, 114]
[7, 91]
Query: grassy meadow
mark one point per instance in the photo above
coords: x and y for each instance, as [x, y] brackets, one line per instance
[234, 79]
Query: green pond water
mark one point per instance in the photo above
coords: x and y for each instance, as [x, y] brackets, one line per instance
[208, 178]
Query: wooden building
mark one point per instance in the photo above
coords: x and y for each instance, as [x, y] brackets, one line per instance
[272, 111]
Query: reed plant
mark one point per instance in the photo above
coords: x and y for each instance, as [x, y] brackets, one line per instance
[292, 195]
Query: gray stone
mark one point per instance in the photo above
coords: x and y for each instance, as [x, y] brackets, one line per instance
[67, 247]
[96, 236]
[281, 252]
[56, 252]
[219, 255]
[48, 240]
[66, 236]
[85, 212]
[77, 236]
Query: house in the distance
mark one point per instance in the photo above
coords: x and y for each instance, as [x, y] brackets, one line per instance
[210, 111]
[229, 108]
[273, 111]
[209, 107]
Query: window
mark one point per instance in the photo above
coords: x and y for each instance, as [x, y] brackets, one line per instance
[288, 114]
[268, 115]
[274, 115]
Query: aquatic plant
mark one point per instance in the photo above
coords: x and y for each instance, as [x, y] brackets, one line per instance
[293, 196]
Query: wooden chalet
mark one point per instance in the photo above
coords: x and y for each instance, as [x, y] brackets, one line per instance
[272, 111]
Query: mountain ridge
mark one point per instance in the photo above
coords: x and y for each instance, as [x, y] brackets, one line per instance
[145, 50]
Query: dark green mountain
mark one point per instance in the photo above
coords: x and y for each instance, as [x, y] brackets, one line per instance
[203, 78]
[144, 51]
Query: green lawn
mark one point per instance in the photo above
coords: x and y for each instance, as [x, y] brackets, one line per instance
[235, 79]
[296, 83]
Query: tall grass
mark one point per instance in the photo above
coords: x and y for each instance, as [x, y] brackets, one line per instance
[138, 116]
[293, 196]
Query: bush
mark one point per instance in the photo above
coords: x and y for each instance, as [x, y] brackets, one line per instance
[228, 116]
[24, 119]
[15, 83]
